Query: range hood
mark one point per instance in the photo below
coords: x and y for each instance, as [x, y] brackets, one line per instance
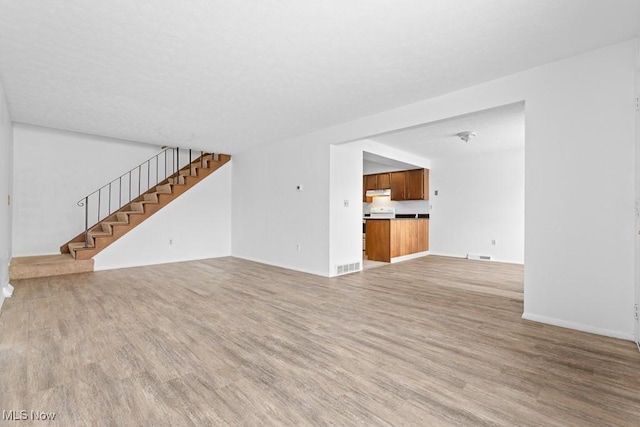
[376, 193]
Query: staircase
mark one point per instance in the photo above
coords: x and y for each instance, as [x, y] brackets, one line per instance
[111, 225]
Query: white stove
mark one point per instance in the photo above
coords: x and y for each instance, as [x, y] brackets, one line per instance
[382, 212]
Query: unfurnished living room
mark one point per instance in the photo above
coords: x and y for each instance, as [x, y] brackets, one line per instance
[191, 191]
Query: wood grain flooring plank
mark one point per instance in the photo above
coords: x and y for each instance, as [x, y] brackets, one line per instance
[433, 341]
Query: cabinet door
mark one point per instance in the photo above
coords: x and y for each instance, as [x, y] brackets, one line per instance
[378, 243]
[364, 188]
[414, 184]
[425, 184]
[408, 236]
[383, 181]
[371, 182]
[364, 191]
[397, 185]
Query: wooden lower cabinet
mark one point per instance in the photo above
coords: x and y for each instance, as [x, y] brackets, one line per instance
[378, 238]
[391, 238]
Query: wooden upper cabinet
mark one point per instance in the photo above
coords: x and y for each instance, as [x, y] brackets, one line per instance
[404, 185]
[364, 189]
[383, 181]
[416, 184]
[378, 181]
[370, 182]
[397, 185]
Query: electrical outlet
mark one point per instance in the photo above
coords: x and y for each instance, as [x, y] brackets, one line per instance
[298, 247]
[171, 241]
[493, 242]
[346, 203]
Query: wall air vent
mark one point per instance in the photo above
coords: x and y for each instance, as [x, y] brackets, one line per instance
[479, 257]
[348, 268]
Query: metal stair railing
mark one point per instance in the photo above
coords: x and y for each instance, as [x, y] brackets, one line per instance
[110, 198]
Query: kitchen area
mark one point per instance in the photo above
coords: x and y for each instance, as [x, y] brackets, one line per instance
[395, 224]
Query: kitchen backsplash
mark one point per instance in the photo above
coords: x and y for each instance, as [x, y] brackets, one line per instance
[404, 207]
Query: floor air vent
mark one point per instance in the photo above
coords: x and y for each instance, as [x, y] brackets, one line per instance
[348, 268]
[479, 257]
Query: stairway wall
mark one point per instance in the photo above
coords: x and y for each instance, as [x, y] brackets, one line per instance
[5, 189]
[198, 223]
[53, 169]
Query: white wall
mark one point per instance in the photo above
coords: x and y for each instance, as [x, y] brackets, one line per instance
[579, 255]
[6, 142]
[345, 243]
[198, 223]
[270, 217]
[480, 198]
[53, 169]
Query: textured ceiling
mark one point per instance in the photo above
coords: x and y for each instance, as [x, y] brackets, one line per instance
[496, 129]
[374, 163]
[229, 74]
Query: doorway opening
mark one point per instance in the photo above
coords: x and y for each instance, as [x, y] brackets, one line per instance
[475, 200]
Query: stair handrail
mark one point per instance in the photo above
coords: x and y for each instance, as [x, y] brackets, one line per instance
[174, 170]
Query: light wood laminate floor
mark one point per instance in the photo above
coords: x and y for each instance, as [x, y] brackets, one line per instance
[431, 341]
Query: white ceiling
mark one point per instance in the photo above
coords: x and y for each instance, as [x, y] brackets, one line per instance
[230, 74]
[496, 129]
[374, 163]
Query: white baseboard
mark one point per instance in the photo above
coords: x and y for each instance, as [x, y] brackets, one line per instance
[410, 256]
[288, 267]
[465, 257]
[7, 291]
[448, 255]
[99, 267]
[578, 326]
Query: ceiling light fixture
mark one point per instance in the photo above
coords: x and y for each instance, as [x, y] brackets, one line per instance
[466, 135]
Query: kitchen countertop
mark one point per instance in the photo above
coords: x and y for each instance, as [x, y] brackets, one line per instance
[422, 216]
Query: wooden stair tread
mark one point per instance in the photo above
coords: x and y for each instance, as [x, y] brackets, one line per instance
[80, 246]
[122, 217]
[163, 189]
[112, 223]
[99, 233]
[42, 259]
[47, 265]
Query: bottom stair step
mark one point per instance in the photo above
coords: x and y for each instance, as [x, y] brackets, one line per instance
[79, 245]
[47, 265]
